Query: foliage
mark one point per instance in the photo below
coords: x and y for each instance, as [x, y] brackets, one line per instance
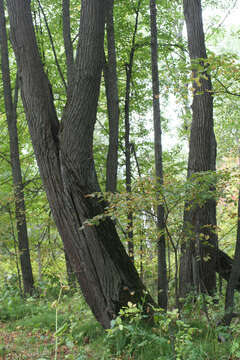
[193, 334]
[170, 337]
[175, 76]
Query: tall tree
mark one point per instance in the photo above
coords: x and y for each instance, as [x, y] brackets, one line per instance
[162, 266]
[64, 154]
[111, 84]
[128, 146]
[11, 112]
[198, 259]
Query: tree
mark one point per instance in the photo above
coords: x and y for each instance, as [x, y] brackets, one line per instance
[111, 83]
[198, 260]
[235, 271]
[68, 45]
[128, 145]
[11, 113]
[162, 267]
[64, 154]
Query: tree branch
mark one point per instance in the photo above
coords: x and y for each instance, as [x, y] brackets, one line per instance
[226, 89]
[53, 47]
[68, 44]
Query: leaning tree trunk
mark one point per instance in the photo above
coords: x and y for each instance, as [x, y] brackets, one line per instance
[198, 260]
[64, 154]
[71, 277]
[162, 266]
[11, 111]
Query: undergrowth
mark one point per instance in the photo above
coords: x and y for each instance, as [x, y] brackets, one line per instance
[195, 335]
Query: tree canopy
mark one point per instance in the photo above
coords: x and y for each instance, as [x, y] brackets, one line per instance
[141, 206]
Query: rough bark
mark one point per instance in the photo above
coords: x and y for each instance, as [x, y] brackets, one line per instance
[11, 112]
[162, 266]
[111, 84]
[199, 222]
[71, 277]
[64, 154]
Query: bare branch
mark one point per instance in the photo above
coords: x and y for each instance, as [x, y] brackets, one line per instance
[53, 47]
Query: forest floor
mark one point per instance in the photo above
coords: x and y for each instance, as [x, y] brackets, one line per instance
[44, 328]
[17, 344]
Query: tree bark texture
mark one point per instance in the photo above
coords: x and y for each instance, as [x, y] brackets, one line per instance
[71, 277]
[199, 221]
[162, 266]
[111, 84]
[11, 111]
[64, 154]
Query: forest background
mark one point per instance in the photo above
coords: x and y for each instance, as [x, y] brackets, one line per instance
[136, 197]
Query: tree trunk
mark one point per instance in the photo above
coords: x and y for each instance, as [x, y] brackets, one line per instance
[129, 69]
[39, 261]
[235, 272]
[64, 154]
[111, 83]
[224, 266]
[234, 275]
[199, 221]
[68, 45]
[162, 266]
[15, 244]
[71, 277]
[11, 111]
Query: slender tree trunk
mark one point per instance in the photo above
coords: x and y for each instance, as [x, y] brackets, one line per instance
[68, 45]
[106, 274]
[39, 261]
[111, 84]
[16, 249]
[198, 259]
[11, 111]
[129, 69]
[128, 160]
[235, 273]
[234, 276]
[70, 83]
[162, 266]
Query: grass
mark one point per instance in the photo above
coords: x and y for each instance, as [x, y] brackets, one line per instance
[19, 344]
[27, 331]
